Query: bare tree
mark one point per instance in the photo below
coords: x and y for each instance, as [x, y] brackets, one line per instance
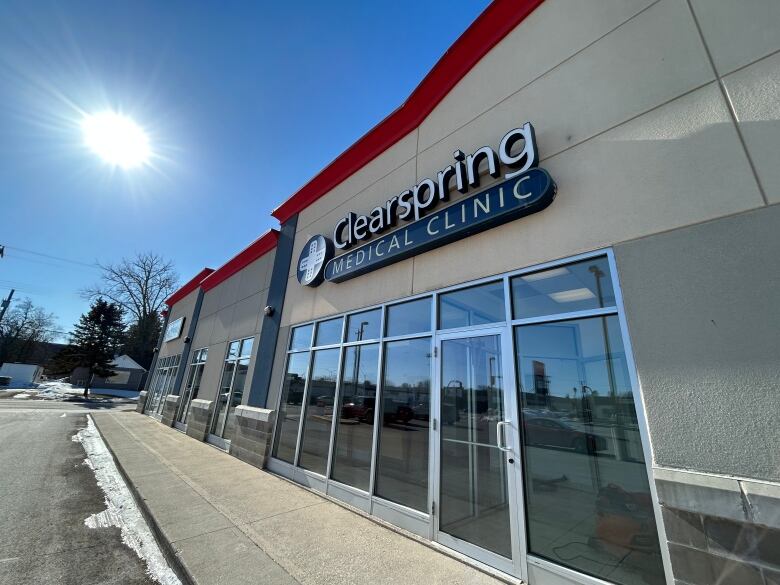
[139, 285]
[22, 329]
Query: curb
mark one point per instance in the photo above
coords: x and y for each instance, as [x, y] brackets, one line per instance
[165, 545]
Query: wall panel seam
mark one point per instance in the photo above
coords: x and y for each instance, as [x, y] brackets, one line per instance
[729, 104]
[538, 77]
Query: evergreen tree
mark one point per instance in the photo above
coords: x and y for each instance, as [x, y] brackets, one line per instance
[96, 339]
[141, 339]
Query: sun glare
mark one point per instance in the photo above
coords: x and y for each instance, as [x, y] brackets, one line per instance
[116, 139]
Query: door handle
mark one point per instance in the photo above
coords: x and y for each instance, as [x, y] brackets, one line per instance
[500, 435]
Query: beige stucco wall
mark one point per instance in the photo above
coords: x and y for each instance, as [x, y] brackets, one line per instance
[232, 310]
[703, 316]
[631, 122]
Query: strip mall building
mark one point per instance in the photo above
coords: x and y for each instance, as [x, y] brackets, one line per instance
[533, 316]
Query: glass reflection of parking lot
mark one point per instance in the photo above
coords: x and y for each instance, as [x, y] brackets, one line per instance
[587, 494]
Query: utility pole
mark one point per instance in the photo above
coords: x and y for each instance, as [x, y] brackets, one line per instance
[4, 304]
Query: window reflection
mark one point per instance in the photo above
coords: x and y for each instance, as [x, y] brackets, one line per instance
[301, 337]
[474, 496]
[319, 411]
[365, 325]
[355, 428]
[476, 305]
[587, 494]
[408, 318]
[402, 457]
[574, 287]
[193, 383]
[329, 332]
[289, 415]
[239, 380]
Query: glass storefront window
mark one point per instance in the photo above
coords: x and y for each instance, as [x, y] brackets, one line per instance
[237, 394]
[402, 456]
[572, 415]
[301, 337]
[588, 498]
[315, 439]
[476, 305]
[365, 325]
[163, 382]
[220, 410]
[355, 429]
[407, 318]
[246, 347]
[329, 332]
[231, 389]
[289, 416]
[193, 383]
[563, 289]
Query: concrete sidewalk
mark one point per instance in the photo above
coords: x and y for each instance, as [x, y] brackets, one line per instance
[226, 522]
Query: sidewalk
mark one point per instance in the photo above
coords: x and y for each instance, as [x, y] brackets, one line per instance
[230, 523]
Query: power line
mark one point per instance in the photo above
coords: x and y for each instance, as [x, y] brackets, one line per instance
[93, 265]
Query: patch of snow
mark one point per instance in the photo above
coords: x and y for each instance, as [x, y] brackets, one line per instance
[121, 510]
[22, 395]
[104, 519]
[58, 390]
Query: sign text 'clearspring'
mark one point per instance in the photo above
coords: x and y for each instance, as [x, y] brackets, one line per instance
[411, 204]
[525, 190]
[531, 192]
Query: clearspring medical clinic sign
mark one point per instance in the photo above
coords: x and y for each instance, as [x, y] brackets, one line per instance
[526, 189]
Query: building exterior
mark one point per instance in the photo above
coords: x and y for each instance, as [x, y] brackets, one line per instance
[21, 375]
[532, 316]
[128, 375]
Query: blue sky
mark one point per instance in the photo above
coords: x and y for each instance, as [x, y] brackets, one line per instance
[244, 102]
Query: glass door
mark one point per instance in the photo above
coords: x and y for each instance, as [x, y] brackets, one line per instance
[231, 391]
[476, 494]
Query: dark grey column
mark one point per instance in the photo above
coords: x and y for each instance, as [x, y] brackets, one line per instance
[264, 362]
[185, 352]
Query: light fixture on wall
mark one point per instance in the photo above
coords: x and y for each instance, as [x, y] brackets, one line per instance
[269, 310]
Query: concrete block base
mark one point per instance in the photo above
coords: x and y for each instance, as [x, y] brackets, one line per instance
[170, 406]
[199, 418]
[139, 406]
[720, 529]
[252, 439]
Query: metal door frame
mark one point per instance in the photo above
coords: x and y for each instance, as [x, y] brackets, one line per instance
[516, 566]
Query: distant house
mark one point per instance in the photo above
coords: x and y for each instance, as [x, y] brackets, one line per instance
[21, 375]
[128, 375]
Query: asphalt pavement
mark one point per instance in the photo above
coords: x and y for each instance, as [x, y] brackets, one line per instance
[46, 493]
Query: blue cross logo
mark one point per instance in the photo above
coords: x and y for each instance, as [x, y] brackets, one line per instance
[312, 260]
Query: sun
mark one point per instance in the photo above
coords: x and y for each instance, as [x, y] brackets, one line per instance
[116, 139]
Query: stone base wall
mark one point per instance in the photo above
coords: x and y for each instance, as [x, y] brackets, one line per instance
[199, 418]
[139, 406]
[720, 529]
[252, 438]
[170, 406]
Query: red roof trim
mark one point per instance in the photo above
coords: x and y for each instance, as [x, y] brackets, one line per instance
[190, 286]
[252, 252]
[498, 19]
